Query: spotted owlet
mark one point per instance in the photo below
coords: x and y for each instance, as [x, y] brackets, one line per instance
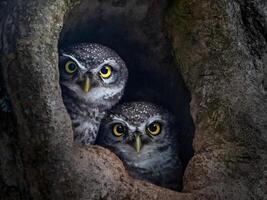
[145, 137]
[92, 80]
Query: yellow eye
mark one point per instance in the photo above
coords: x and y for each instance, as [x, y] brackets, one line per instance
[71, 67]
[154, 128]
[106, 71]
[118, 130]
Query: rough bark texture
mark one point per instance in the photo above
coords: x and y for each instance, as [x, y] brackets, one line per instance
[221, 47]
[48, 166]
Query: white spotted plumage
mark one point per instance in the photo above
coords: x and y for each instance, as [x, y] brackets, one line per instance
[157, 160]
[86, 109]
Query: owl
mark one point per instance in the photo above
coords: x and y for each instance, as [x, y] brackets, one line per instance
[92, 80]
[145, 137]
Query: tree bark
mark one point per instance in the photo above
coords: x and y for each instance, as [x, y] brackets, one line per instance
[221, 48]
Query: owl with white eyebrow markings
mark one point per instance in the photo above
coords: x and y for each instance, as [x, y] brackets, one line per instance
[146, 138]
[92, 80]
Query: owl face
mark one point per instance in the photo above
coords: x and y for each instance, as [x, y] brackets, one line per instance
[92, 73]
[145, 137]
[137, 130]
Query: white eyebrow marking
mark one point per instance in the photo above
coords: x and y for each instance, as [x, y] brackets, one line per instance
[112, 62]
[117, 119]
[141, 127]
[155, 118]
[79, 64]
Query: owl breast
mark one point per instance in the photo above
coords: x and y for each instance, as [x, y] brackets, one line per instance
[159, 165]
[85, 120]
[85, 130]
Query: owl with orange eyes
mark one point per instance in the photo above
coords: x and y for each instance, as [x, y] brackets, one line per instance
[92, 80]
[145, 137]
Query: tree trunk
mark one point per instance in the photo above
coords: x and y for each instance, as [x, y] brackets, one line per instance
[220, 46]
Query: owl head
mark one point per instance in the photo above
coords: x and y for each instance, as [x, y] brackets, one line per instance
[145, 137]
[92, 73]
[138, 129]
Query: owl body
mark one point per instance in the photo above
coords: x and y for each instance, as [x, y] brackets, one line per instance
[144, 136]
[92, 80]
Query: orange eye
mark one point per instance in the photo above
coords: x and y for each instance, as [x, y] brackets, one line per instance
[154, 128]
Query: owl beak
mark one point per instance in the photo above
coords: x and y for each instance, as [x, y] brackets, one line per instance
[86, 86]
[138, 143]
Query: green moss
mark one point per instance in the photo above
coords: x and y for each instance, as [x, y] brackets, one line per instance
[178, 22]
[71, 3]
[178, 15]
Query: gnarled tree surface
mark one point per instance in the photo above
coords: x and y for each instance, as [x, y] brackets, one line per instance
[221, 47]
